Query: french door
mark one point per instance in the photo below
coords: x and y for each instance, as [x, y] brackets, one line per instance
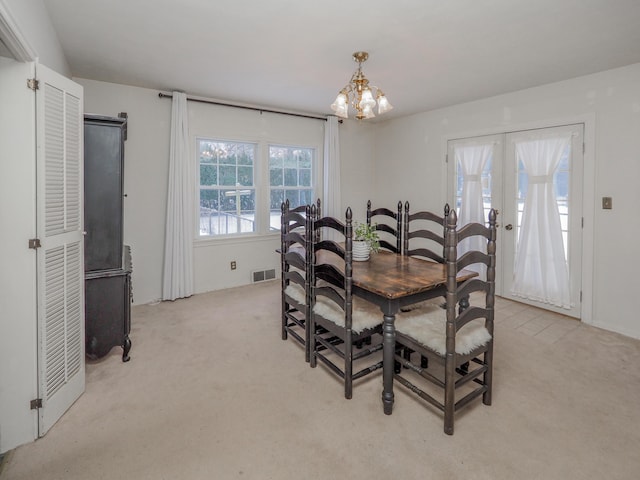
[534, 179]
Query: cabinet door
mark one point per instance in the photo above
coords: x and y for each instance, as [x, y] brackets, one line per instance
[106, 313]
[60, 270]
[103, 186]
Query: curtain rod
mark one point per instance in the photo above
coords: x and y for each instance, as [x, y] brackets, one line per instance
[257, 109]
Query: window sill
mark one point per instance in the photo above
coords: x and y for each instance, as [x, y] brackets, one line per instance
[235, 239]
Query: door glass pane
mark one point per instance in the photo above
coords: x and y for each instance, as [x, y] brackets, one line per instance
[487, 186]
[561, 189]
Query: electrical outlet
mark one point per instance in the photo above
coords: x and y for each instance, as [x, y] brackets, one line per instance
[233, 265]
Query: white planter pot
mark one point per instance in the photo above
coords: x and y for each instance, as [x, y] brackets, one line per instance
[361, 251]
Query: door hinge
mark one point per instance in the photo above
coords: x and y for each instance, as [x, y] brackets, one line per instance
[580, 296]
[33, 84]
[34, 243]
[36, 404]
[446, 158]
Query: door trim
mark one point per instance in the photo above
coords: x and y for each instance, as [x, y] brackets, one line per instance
[588, 193]
[12, 36]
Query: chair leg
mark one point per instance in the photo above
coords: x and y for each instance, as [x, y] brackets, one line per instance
[284, 320]
[488, 376]
[407, 355]
[449, 394]
[348, 366]
[397, 366]
[307, 339]
[312, 344]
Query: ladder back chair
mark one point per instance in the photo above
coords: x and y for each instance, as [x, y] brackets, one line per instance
[423, 237]
[295, 273]
[457, 341]
[339, 320]
[388, 222]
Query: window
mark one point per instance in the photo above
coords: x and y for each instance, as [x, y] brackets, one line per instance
[290, 178]
[232, 192]
[227, 187]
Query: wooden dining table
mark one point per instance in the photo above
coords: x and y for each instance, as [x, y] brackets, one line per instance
[393, 281]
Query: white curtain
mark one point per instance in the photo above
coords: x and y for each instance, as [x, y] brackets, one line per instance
[179, 232]
[331, 203]
[472, 160]
[541, 272]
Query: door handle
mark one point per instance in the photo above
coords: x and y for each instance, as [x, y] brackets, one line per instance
[509, 227]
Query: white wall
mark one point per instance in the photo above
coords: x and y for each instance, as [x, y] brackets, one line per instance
[146, 171]
[146, 174]
[212, 257]
[417, 144]
[357, 161]
[403, 159]
[32, 20]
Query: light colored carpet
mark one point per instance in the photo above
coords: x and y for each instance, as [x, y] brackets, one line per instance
[212, 392]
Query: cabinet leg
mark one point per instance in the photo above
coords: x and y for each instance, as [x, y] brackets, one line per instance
[126, 347]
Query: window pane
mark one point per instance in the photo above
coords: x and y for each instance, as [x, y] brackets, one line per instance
[305, 158]
[245, 176]
[209, 198]
[208, 175]
[290, 177]
[305, 178]
[227, 175]
[245, 157]
[306, 197]
[275, 161]
[275, 177]
[277, 197]
[293, 197]
[208, 152]
[561, 182]
[290, 161]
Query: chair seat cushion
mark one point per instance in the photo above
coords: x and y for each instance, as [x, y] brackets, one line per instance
[364, 315]
[428, 327]
[296, 292]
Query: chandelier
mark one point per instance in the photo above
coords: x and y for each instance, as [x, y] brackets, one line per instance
[359, 94]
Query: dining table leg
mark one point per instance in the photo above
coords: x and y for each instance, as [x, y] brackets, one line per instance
[388, 357]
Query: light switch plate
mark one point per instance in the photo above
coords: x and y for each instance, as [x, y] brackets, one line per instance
[607, 203]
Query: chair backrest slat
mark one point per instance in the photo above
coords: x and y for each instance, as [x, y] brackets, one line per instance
[389, 223]
[424, 234]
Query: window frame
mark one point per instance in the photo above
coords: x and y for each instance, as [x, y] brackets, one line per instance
[262, 184]
[298, 188]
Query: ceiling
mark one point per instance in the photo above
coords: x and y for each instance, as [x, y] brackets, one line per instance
[296, 54]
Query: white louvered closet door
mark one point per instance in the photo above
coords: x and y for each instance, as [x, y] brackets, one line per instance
[59, 132]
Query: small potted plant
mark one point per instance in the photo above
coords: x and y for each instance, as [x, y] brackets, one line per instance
[365, 241]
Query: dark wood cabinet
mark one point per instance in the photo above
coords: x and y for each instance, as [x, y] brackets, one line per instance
[107, 262]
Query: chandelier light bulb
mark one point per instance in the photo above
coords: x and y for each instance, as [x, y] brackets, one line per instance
[383, 104]
[360, 95]
[341, 105]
